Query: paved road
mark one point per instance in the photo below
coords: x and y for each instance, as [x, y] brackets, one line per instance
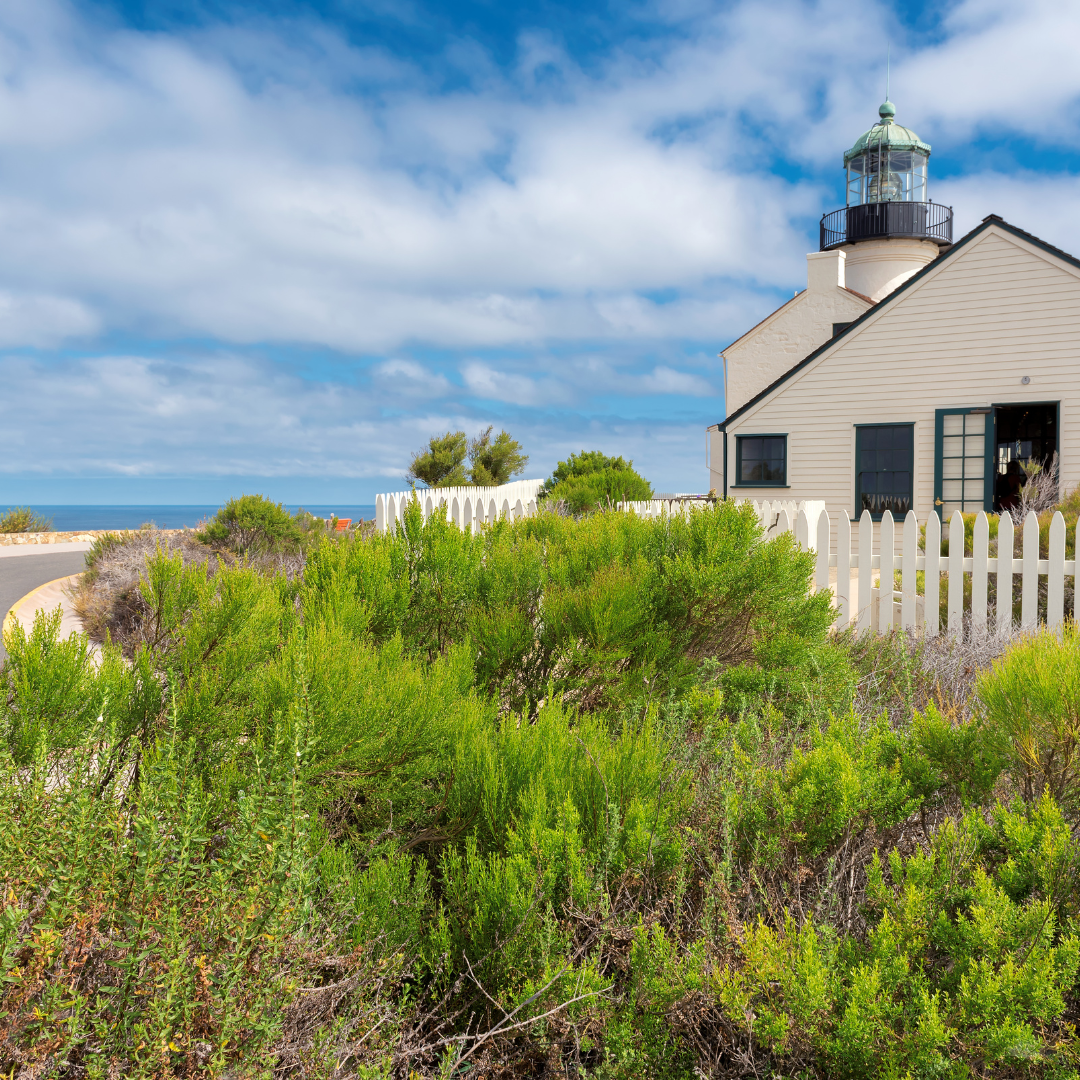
[23, 573]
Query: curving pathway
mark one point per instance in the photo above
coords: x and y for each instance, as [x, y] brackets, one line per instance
[25, 569]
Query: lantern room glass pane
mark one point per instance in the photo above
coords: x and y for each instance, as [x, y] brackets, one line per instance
[886, 176]
[855, 182]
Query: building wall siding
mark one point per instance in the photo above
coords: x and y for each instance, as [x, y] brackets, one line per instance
[793, 331]
[962, 336]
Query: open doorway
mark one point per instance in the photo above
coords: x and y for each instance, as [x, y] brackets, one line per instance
[1021, 432]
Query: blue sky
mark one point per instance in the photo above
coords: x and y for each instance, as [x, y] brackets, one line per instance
[276, 246]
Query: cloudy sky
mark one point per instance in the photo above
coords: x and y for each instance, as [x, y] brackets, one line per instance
[275, 246]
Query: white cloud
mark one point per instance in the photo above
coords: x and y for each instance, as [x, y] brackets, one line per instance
[228, 415]
[665, 380]
[276, 184]
[43, 321]
[400, 376]
[227, 184]
[1046, 205]
[488, 383]
[232, 184]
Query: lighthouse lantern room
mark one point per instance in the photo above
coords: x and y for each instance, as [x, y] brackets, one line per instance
[890, 227]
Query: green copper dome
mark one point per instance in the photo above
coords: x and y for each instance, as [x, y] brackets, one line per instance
[888, 135]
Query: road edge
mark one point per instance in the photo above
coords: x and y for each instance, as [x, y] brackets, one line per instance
[9, 618]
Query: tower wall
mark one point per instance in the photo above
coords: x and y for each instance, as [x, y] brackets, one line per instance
[876, 267]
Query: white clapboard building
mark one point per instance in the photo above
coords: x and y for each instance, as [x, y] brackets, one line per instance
[913, 372]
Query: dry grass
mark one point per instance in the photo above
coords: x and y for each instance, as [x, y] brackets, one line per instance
[903, 673]
[107, 597]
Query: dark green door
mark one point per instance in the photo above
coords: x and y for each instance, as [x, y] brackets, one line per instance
[963, 461]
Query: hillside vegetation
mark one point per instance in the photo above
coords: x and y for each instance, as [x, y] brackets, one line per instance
[598, 797]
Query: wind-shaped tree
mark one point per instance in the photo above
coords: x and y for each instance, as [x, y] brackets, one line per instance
[495, 461]
[442, 462]
[492, 461]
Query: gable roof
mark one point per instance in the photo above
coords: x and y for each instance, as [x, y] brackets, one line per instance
[987, 222]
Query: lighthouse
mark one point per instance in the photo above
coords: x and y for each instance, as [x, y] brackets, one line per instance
[888, 231]
[890, 228]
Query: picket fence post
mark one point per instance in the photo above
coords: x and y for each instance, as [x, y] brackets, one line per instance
[956, 574]
[843, 569]
[866, 572]
[932, 576]
[980, 555]
[1005, 572]
[821, 577]
[886, 578]
[802, 530]
[1055, 581]
[908, 555]
[1029, 590]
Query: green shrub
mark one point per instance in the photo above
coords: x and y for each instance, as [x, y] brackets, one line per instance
[850, 779]
[253, 523]
[600, 490]
[23, 519]
[1030, 704]
[611, 772]
[599, 610]
[143, 934]
[54, 690]
[592, 481]
[965, 960]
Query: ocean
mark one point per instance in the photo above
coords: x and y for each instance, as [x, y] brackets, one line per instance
[74, 518]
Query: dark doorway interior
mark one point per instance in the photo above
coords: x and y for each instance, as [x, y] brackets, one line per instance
[1022, 432]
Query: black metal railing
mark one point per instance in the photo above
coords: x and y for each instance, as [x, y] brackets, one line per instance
[874, 221]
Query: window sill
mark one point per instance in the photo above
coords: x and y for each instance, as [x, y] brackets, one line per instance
[764, 487]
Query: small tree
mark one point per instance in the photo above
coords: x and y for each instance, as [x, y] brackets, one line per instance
[253, 523]
[591, 480]
[442, 463]
[1040, 492]
[495, 461]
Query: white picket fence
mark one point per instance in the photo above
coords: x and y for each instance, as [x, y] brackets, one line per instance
[855, 575]
[466, 507]
[908, 609]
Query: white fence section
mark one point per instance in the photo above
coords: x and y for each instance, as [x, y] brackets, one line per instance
[467, 507]
[855, 574]
[860, 579]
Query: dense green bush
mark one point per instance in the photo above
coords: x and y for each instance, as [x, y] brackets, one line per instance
[971, 954]
[591, 481]
[23, 519]
[253, 523]
[1030, 703]
[596, 797]
[597, 610]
